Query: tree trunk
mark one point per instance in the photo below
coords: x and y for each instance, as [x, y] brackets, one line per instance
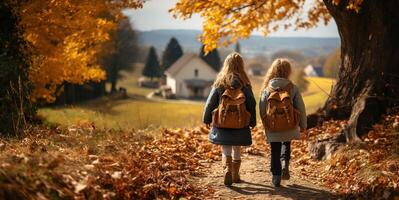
[113, 86]
[368, 82]
[113, 77]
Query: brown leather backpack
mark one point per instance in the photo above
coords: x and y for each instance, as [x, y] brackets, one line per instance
[281, 114]
[231, 112]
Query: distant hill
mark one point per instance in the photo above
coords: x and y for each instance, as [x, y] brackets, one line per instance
[252, 46]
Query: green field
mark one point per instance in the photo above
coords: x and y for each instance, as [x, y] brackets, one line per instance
[138, 112]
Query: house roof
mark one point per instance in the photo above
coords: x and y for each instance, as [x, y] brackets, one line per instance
[181, 62]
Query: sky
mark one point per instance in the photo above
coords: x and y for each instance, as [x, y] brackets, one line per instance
[154, 15]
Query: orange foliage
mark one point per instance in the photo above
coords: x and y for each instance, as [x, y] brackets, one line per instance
[84, 163]
[67, 38]
[225, 21]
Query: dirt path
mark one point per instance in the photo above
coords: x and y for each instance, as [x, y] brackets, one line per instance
[257, 183]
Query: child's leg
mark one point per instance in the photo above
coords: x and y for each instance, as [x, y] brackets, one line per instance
[236, 153]
[285, 160]
[226, 150]
[227, 164]
[286, 151]
[275, 164]
[235, 167]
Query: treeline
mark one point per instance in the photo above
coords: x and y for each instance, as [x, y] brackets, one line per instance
[67, 49]
[154, 68]
[125, 51]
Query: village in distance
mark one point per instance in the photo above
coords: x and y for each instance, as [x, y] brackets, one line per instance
[177, 73]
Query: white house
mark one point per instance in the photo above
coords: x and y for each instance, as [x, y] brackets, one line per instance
[311, 70]
[190, 77]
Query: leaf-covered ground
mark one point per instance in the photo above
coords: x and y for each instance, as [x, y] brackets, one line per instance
[81, 162]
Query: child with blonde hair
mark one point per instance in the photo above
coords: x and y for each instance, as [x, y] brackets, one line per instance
[230, 112]
[283, 115]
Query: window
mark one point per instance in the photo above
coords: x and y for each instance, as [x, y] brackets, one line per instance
[196, 72]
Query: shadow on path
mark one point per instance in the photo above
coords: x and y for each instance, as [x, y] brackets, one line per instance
[256, 183]
[293, 191]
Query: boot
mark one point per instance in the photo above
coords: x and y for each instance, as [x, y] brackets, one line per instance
[285, 175]
[227, 161]
[276, 180]
[235, 168]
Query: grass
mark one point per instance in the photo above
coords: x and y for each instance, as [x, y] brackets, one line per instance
[317, 93]
[139, 112]
[128, 114]
[129, 81]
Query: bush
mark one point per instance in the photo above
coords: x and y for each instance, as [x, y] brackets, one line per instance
[298, 77]
[331, 65]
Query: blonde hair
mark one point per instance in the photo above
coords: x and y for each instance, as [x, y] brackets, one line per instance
[233, 65]
[280, 68]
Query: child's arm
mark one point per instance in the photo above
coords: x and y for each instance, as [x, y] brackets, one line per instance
[211, 103]
[263, 104]
[300, 106]
[251, 106]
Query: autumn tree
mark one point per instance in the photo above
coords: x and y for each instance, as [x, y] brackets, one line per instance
[125, 51]
[212, 58]
[67, 39]
[171, 54]
[367, 84]
[331, 64]
[152, 68]
[15, 88]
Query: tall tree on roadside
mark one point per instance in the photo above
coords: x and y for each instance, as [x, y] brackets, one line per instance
[124, 42]
[238, 47]
[15, 106]
[212, 58]
[367, 84]
[67, 40]
[152, 69]
[171, 54]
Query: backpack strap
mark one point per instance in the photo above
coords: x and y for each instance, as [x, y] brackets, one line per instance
[221, 91]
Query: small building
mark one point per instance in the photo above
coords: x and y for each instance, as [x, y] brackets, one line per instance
[311, 70]
[190, 77]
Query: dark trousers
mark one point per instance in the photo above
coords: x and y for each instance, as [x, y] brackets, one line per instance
[281, 151]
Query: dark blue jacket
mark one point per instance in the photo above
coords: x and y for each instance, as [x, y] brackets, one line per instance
[224, 136]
